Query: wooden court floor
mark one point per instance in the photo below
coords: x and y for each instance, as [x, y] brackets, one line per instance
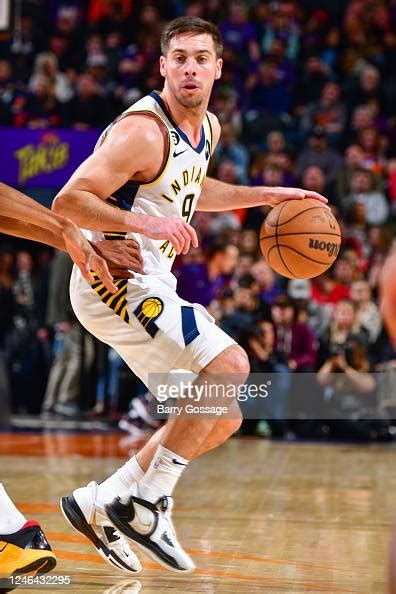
[256, 516]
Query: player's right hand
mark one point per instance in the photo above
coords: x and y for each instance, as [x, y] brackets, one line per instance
[180, 234]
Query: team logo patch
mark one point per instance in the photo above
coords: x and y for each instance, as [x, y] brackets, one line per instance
[147, 312]
[175, 137]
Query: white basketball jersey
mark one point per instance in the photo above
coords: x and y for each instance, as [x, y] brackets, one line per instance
[174, 192]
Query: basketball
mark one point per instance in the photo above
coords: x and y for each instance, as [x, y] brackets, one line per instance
[300, 238]
[151, 307]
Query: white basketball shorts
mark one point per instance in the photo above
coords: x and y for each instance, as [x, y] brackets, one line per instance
[148, 324]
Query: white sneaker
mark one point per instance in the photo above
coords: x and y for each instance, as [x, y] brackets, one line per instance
[86, 516]
[150, 527]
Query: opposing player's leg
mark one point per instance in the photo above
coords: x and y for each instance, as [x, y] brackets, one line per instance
[145, 516]
[23, 546]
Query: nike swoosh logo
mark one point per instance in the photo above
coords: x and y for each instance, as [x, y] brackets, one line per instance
[177, 462]
[175, 154]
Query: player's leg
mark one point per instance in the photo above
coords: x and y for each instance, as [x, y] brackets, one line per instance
[167, 455]
[23, 546]
[173, 334]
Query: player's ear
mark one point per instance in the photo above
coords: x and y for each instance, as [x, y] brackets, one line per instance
[219, 66]
[162, 62]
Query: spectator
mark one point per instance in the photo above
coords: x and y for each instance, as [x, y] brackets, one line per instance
[200, 283]
[367, 313]
[248, 244]
[326, 290]
[319, 154]
[370, 141]
[328, 112]
[344, 326]
[266, 279]
[88, 109]
[282, 25]
[229, 149]
[240, 34]
[367, 87]
[277, 158]
[42, 107]
[63, 387]
[46, 64]
[24, 349]
[317, 316]
[314, 179]
[7, 296]
[362, 117]
[353, 159]
[355, 232]
[259, 344]
[315, 74]
[362, 191]
[294, 340]
[8, 94]
[349, 387]
[267, 90]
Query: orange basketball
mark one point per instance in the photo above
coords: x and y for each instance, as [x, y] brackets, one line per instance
[300, 238]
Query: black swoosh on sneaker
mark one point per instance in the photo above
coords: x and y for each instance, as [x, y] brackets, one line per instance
[114, 511]
[166, 539]
[175, 154]
[177, 462]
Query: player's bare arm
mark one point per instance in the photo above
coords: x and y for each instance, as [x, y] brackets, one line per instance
[23, 217]
[388, 295]
[133, 150]
[218, 196]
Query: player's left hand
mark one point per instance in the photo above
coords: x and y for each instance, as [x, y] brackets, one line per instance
[84, 256]
[279, 195]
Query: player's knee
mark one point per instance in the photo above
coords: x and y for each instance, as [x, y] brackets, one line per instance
[236, 361]
[227, 427]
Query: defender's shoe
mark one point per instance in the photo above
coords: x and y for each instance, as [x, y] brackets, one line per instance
[86, 516]
[22, 552]
[150, 526]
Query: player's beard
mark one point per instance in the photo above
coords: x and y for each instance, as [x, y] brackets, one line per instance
[189, 102]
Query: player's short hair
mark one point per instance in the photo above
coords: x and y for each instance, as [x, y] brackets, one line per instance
[194, 26]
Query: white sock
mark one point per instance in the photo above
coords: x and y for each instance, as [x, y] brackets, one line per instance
[121, 482]
[11, 519]
[164, 471]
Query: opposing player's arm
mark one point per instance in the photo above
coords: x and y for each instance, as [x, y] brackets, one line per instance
[218, 196]
[28, 231]
[134, 148]
[24, 217]
[24, 214]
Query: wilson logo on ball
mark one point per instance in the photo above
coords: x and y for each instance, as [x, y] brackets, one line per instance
[331, 248]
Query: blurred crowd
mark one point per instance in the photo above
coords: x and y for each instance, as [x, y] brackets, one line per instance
[306, 99]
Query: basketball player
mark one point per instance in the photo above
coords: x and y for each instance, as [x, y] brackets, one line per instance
[152, 162]
[23, 545]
